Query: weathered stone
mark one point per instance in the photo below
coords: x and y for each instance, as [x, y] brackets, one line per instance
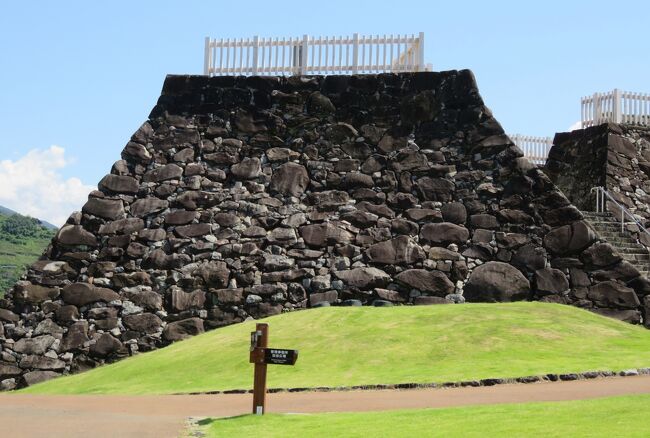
[146, 206]
[434, 282]
[281, 154]
[8, 371]
[613, 294]
[529, 257]
[396, 251]
[122, 226]
[180, 217]
[66, 314]
[193, 230]
[228, 296]
[600, 255]
[105, 345]
[148, 299]
[340, 132]
[321, 234]
[7, 315]
[144, 322]
[157, 259]
[550, 281]
[163, 173]
[119, 184]
[444, 233]
[356, 179]
[181, 300]
[41, 363]
[176, 331]
[38, 345]
[75, 235]
[34, 377]
[290, 179]
[248, 168]
[569, 239]
[104, 208]
[317, 103]
[630, 316]
[192, 200]
[454, 212]
[435, 189]
[33, 293]
[320, 297]
[48, 327]
[76, 336]
[330, 199]
[496, 282]
[364, 278]
[485, 221]
[226, 219]
[80, 294]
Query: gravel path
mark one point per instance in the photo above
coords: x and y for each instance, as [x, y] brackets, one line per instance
[165, 416]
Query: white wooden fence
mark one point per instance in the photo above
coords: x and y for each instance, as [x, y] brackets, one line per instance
[536, 149]
[615, 106]
[309, 55]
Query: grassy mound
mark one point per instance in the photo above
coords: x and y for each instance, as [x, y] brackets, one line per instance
[605, 417]
[343, 346]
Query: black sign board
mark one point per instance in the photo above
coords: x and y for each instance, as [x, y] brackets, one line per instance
[277, 356]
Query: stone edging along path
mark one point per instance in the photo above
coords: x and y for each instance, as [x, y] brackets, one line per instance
[465, 383]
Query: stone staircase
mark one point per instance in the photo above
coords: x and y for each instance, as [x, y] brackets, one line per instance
[610, 229]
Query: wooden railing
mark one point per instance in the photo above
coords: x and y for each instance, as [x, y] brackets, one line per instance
[536, 149]
[309, 55]
[615, 106]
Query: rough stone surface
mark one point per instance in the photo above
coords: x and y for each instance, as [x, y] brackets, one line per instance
[434, 282]
[244, 197]
[496, 282]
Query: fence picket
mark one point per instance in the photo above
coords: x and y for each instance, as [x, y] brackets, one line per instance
[536, 149]
[308, 55]
[615, 106]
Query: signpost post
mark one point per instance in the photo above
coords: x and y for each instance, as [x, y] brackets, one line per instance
[261, 356]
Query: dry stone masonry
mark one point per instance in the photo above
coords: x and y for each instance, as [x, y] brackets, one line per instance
[613, 156]
[616, 157]
[243, 197]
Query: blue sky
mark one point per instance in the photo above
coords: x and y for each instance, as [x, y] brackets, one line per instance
[84, 75]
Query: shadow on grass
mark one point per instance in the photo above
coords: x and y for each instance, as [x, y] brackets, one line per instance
[208, 421]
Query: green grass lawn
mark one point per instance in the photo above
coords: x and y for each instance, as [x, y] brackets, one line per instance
[343, 346]
[605, 417]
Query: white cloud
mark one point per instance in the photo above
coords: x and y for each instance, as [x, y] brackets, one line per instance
[576, 125]
[33, 185]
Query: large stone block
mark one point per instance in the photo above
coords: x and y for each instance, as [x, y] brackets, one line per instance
[495, 282]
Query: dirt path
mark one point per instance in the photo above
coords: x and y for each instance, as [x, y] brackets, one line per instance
[164, 416]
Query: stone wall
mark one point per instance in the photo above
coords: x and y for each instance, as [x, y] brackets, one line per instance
[246, 197]
[613, 156]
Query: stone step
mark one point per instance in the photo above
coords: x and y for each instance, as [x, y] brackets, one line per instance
[609, 229]
[617, 235]
[636, 259]
[632, 251]
[635, 256]
[608, 225]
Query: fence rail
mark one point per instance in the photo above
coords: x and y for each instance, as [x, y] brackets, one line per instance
[615, 106]
[536, 149]
[603, 197]
[310, 55]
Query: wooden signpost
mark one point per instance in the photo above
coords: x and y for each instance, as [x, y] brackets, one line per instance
[261, 356]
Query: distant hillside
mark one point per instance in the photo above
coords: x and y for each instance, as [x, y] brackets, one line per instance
[22, 241]
[8, 212]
